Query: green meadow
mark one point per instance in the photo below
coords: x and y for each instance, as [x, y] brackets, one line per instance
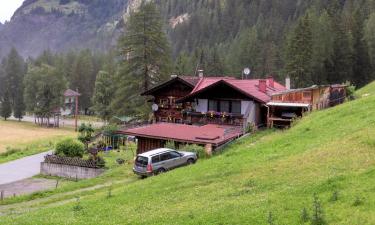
[267, 178]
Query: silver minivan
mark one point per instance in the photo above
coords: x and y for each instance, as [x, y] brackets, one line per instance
[161, 160]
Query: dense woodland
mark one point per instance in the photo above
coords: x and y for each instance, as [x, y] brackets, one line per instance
[313, 42]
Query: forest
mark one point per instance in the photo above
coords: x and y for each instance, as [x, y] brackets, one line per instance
[313, 42]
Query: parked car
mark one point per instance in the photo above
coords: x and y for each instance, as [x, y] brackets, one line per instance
[161, 160]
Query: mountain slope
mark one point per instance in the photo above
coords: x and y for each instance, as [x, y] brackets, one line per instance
[328, 152]
[62, 25]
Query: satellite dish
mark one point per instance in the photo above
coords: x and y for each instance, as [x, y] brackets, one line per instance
[247, 71]
[155, 107]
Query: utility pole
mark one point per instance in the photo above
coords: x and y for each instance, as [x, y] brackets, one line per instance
[76, 113]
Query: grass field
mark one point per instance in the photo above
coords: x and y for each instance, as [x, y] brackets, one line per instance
[18, 139]
[268, 178]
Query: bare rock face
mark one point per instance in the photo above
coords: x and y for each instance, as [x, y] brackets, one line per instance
[63, 25]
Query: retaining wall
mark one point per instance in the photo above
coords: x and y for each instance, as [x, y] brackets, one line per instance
[68, 171]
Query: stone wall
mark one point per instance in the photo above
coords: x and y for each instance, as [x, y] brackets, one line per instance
[68, 171]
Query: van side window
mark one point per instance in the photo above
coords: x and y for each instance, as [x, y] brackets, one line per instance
[164, 157]
[174, 155]
[156, 159]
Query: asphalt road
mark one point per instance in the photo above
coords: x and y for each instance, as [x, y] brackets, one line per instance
[63, 122]
[21, 169]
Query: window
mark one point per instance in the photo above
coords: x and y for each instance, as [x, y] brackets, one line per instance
[156, 159]
[213, 105]
[175, 155]
[164, 157]
[141, 161]
[225, 106]
[307, 95]
[172, 100]
[236, 107]
[164, 102]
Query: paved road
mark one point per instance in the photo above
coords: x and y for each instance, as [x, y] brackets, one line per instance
[21, 169]
[63, 122]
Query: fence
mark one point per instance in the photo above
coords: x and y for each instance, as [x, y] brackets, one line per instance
[54, 159]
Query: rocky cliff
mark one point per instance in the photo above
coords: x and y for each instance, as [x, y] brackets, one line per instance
[62, 25]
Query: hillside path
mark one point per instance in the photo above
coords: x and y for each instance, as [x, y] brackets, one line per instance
[21, 169]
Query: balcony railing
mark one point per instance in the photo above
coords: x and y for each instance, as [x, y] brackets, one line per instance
[222, 118]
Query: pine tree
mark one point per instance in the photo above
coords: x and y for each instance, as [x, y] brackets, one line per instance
[146, 60]
[103, 95]
[361, 65]
[6, 108]
[340, 68]
[44, 88]
[299, 51]
[83, 78]
[15, 70]
[370, 37]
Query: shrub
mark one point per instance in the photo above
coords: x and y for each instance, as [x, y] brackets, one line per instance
[304, 215]
[170, 145]
[318, 214]
[335, 196]
[199, 150]
[358, 201]
[350, 91]
[70, 148]
[270, 219]
[98, 159]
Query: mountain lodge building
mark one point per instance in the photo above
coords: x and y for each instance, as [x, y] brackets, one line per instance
[209, 111]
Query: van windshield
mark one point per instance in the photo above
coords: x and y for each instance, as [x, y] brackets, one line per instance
[141, 161]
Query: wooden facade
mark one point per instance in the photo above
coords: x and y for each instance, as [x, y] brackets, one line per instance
[294, 103]
[147, 144]
[165, 97]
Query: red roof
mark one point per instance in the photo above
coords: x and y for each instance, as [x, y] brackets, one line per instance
[247, 87]
[207, 134]
[71, 93]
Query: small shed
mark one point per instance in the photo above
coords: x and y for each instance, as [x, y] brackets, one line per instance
[287, 105]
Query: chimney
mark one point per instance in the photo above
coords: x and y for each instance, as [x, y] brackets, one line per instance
[271, 82]
[263, 86]
[200, 73]
[287, 83]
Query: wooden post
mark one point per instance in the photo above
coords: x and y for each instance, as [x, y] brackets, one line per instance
[76, 114]
[208, 149]
[2, 195]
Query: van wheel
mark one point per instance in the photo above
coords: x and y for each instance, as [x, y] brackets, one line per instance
[190, 161]
[160, 171]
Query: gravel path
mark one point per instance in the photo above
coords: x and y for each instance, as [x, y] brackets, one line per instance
[21, 169]
[27, 186]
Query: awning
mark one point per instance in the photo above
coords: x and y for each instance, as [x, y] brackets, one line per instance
[289, 104]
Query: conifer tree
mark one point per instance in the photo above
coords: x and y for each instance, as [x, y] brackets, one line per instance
[298, 65]
[145, 54]
[103, 94]
[15, 70]
[5, 106]
[361, 65]
[83, 78]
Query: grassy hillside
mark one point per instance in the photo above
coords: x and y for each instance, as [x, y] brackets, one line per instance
[369, 90]
[330, 153]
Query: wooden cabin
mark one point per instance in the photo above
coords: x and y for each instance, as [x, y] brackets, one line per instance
[287, 105]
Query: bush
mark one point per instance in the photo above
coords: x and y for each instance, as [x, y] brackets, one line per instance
[199, 150]
[350, 91]
[170, 145]
[70, 148]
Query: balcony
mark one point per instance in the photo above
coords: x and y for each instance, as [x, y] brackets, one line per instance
[220, 118]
